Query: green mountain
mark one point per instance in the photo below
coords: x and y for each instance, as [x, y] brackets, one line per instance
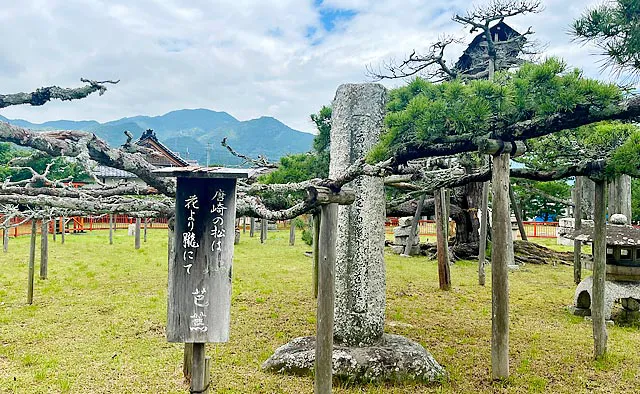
[191, 132]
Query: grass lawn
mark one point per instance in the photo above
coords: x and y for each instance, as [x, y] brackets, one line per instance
[97, 323]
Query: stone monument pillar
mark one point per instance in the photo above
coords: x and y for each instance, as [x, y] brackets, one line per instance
[356, 125]
[361, 350]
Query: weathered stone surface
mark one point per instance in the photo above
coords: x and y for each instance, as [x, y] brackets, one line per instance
[393, 357]
[404, 231]
[403, 240]
[406, 221]
[357, 122]
[399, 249]
[613, 291]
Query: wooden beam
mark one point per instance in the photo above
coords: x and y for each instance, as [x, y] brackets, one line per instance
[316, 253]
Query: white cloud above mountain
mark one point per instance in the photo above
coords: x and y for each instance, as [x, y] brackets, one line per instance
[280, 58]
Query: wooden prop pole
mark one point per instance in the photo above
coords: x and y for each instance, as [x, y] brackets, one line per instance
[32, 258]
[518, 214]
[577, 244]
[499, 272]
[316, 253]
[326, 296]
[442, 227]
[599, 271]
[44, 249]
[137, 234]
[484, 221]
[414, 227]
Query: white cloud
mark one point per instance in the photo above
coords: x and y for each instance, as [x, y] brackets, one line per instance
[247, 57]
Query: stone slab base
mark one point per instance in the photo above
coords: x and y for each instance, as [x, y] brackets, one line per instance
[394, 358]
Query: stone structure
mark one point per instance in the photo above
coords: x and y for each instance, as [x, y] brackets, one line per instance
[566, 226]
[622, 282]
[361, 350]
[401, 237]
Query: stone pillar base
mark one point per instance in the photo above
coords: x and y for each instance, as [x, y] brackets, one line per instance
[394, 358]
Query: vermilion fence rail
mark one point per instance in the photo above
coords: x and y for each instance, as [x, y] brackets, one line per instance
[532, 229]
[80, 224]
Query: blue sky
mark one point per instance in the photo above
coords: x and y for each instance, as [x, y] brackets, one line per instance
[280, 58]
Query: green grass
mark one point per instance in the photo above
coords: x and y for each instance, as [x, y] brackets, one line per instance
[97, 323]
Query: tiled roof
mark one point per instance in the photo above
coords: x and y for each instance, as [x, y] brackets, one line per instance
[622, 235]
[110, 172]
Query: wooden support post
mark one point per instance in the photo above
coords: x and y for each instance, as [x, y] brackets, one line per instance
[187, 360]
[326, 296]
[137, 234]
[252, 226]
[599, 270]
[316, 253]
[44, 248]
[207, 374]
[500, 256]
[263, 230]
[516, 211]
[244, 224]
[5, 235]
[110, 229]
[198, 368]
[144, 233]
[64, 229]
[442, 227]
[53, 229]
[292, 232]
[484, 221]
[32, 261]
[577, 245]
[414, 227]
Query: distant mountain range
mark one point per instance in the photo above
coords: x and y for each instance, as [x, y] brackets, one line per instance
[189, 132]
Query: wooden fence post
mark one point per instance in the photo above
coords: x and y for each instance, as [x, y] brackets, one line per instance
[252, 227]
[499, 272]
[146, 221]
[244, 224]
[577, 244]
[44, 248]
[32, 258]
[484, 221]
[599, 270]
[137, 234]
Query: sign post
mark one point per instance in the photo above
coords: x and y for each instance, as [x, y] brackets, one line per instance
[199, 293]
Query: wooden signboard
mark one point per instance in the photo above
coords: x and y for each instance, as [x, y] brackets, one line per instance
[199, 294]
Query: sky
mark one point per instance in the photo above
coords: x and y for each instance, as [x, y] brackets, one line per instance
[250, 58]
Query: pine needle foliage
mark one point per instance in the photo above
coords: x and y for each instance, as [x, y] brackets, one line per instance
[425, 113]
